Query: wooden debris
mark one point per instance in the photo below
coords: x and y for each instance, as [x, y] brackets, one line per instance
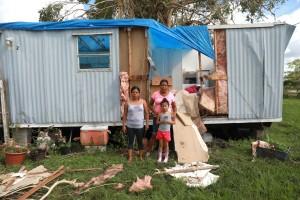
[221, 97]
[191, 104]
[185, 119]
[207, 100]
[119, 186]
[179, 101]
[22, 180]
[193, 174]
[83, 170]
[73, 183]
[107, 174]
[200, 125]
[189, 145]
[189, 169]
[141, 184]
[53, 176]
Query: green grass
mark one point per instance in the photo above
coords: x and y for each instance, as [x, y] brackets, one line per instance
[239, 177]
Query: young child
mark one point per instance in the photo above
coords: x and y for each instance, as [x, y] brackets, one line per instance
[163, 135]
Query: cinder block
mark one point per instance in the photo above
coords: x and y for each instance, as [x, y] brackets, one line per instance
[22, 136]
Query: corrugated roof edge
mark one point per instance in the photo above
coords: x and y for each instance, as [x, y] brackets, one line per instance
[237, 26]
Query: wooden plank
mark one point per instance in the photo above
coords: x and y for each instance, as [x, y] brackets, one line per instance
[143, 77]
[217, 76]
[189, 145]
[53, 176]
[208, 99]
[139, 59]
[185, 119]
[139, 67]
[147, 82]
[123, 52]
[4, 110]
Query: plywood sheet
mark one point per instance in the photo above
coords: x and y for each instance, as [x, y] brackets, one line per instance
[139, 51]
[189, 144]
[139, 66]
[191, 104]
[185, 119]
[222, 97]
[123, 43]
[207, 99]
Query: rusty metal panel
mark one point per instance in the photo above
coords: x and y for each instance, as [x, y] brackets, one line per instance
[46, 85]
[221, 70]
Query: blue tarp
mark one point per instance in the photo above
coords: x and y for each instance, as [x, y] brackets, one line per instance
[195, 37]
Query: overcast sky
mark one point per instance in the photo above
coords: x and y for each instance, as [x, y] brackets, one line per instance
[27, 10]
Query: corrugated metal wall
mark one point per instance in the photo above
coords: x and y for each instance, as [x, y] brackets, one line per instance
[46, 86]
[255, 71]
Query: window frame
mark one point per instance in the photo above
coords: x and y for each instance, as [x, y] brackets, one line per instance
[106, 69]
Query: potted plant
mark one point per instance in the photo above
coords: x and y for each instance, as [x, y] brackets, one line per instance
[15, 155]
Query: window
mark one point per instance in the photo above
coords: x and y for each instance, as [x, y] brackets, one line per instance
[94, 51]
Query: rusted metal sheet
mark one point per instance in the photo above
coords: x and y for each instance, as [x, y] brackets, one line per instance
[221, 70]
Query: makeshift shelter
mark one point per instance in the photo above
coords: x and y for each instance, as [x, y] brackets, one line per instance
[67, 73]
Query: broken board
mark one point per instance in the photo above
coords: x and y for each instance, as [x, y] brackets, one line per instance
[189, 144]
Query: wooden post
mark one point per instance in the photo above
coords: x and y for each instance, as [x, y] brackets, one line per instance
[4, 111]
[199, 71]
[129, 52]
[147, 95]
[216, 85]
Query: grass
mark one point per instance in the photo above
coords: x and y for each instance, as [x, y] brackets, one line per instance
[239, 177]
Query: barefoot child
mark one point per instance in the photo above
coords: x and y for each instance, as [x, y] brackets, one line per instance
[165, 120]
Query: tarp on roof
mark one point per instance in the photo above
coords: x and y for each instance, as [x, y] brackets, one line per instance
[196, 37]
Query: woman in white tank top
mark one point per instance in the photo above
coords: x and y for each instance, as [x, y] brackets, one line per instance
[135, 111]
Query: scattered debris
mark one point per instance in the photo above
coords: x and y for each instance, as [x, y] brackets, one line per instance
[191, 104]
[82, 170]
[265, 149]
[73, 183]
[179, 101]
[186, 119]
[189, 144]
[200, 125]
[50, 178]
[187, 168]
[207, 99]
[14, 182]
[38, 177]
[108, 174]
[261, 144]
[141, 184]
[119, 186]
[194, 174]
